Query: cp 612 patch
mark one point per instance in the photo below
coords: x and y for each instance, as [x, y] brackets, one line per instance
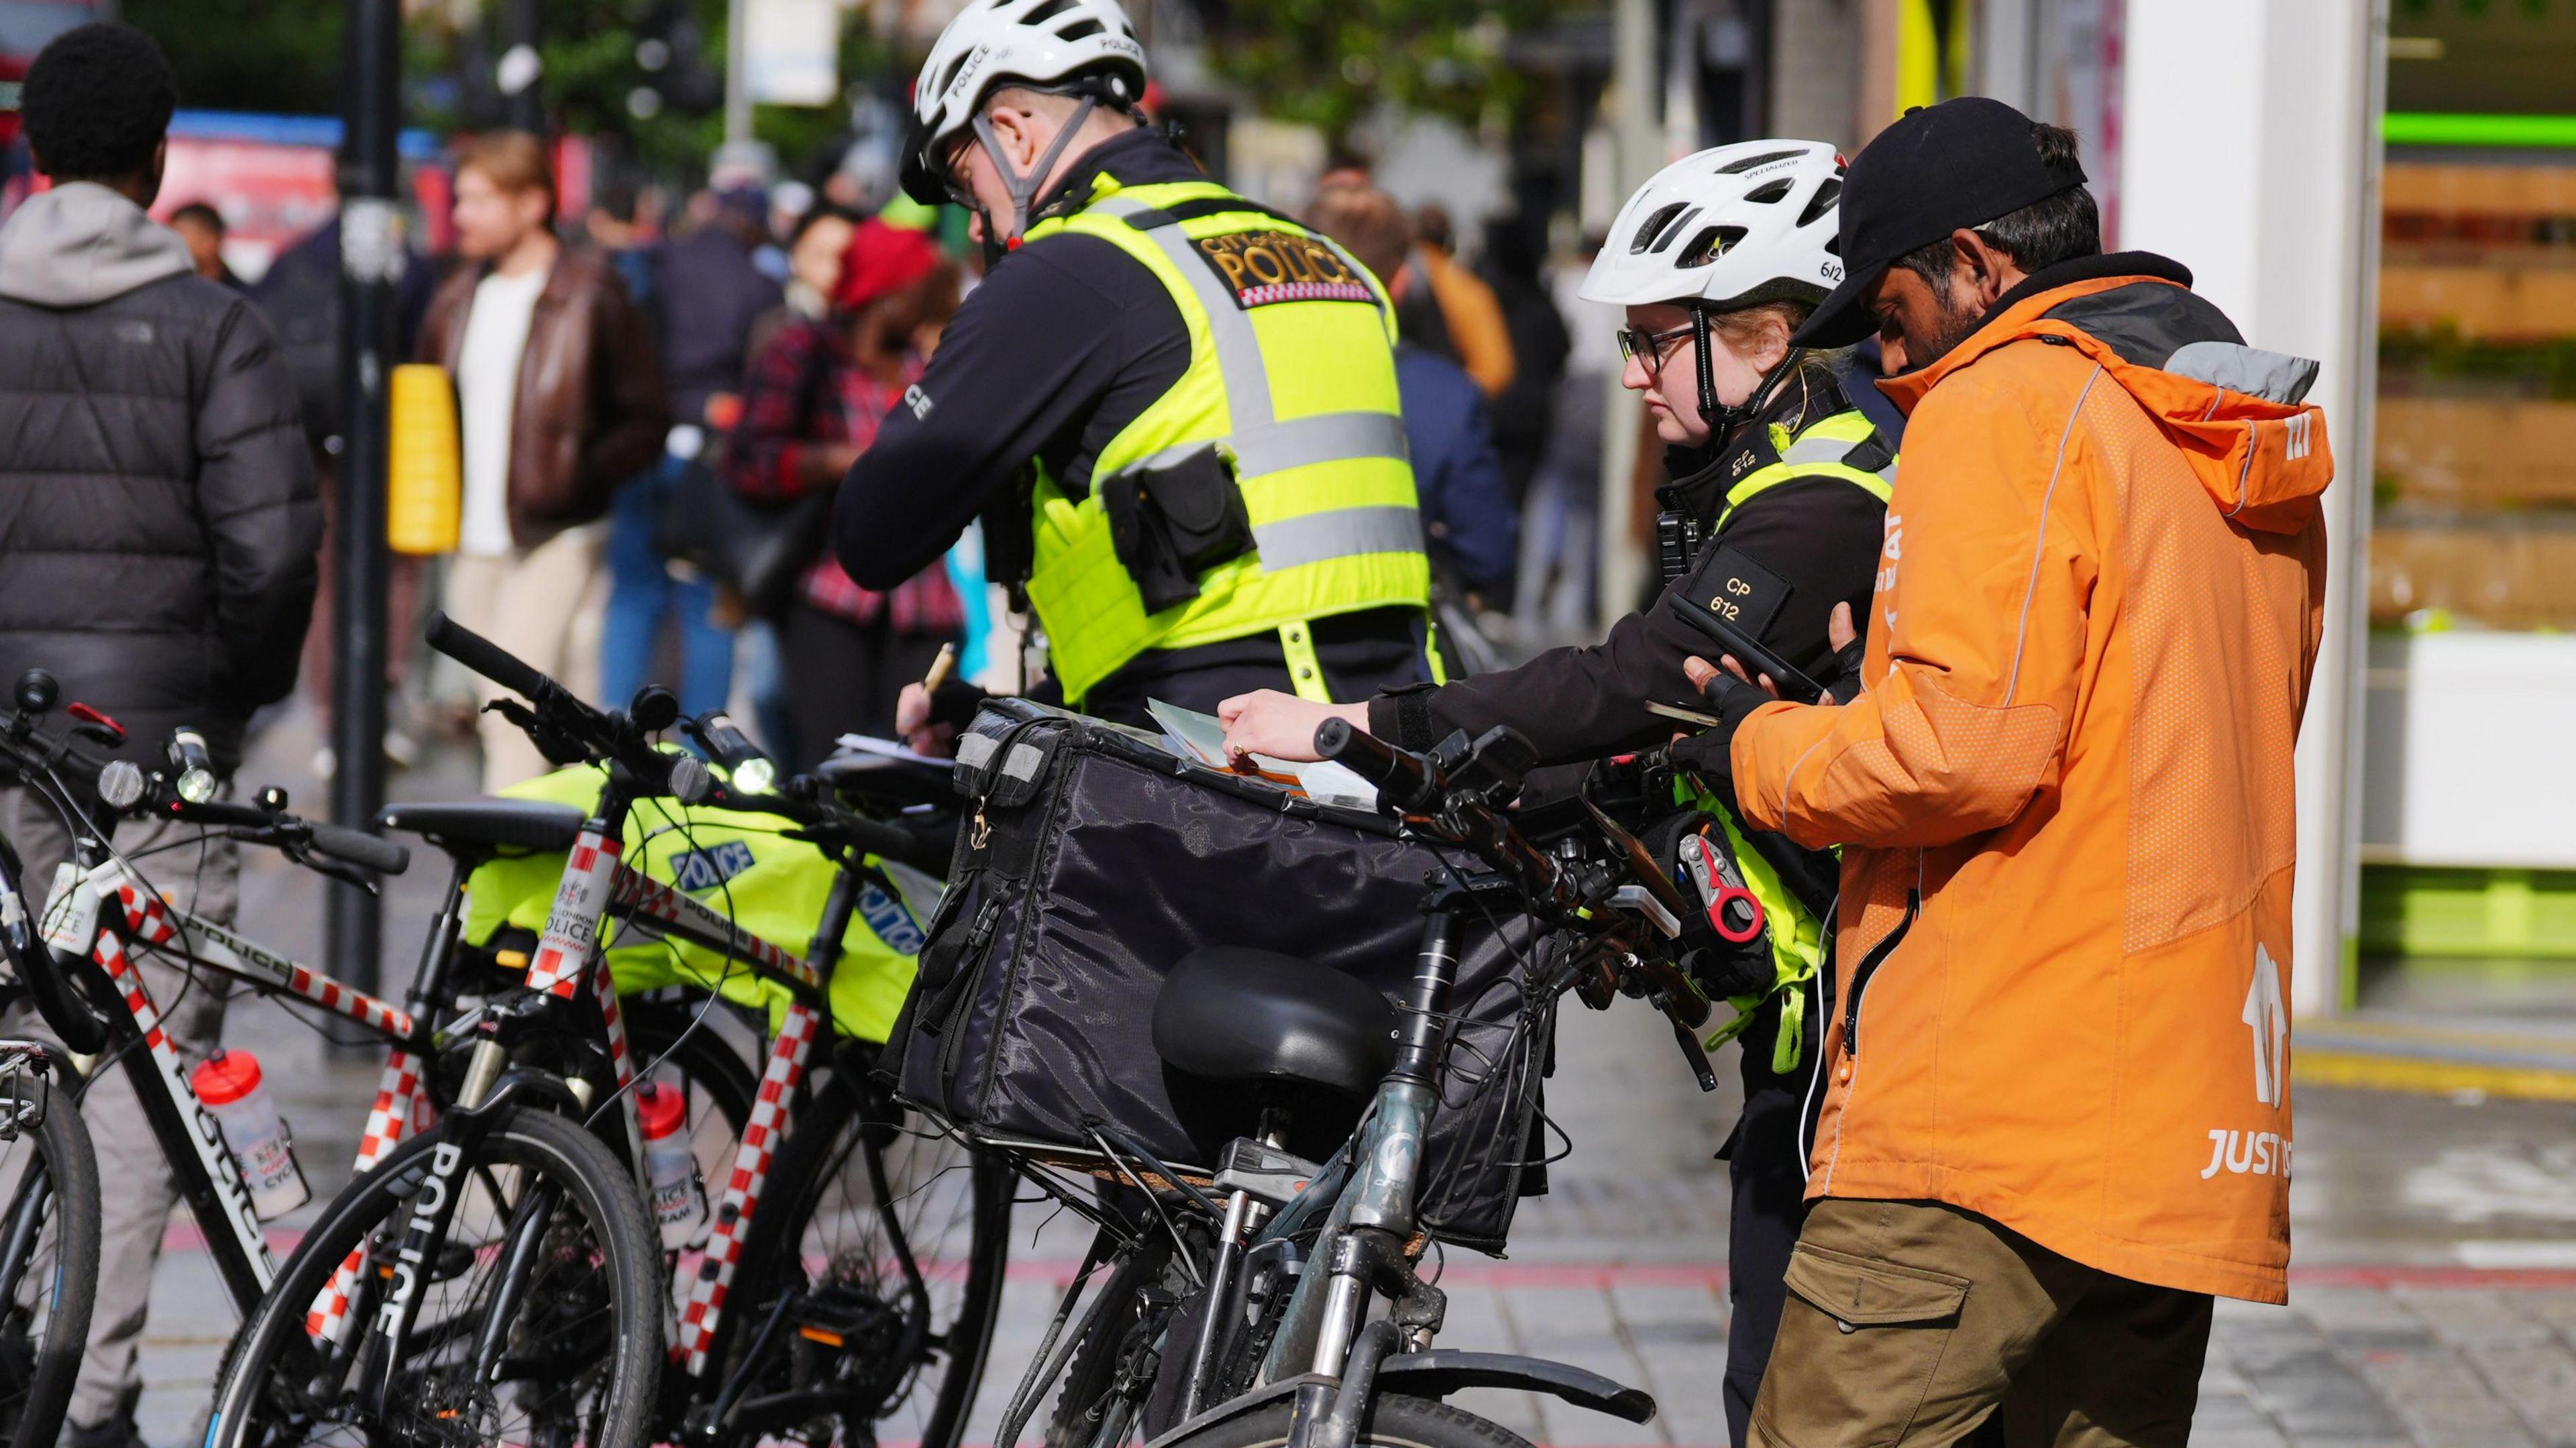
[1262, 267]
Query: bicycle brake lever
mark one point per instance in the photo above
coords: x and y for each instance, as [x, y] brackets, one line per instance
[1692, 1050]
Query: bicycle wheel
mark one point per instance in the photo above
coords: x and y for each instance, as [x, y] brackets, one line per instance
[1108, 1393]
[48, 1269]
[1392, 1422]
[886, 1243]
[579, 1356]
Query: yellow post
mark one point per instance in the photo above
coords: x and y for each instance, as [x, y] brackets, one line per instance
[424, 483]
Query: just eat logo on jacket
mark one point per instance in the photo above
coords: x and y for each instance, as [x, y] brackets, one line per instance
[1262, 267]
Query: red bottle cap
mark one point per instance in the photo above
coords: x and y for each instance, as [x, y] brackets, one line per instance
[661, 1110]
[225, 1077]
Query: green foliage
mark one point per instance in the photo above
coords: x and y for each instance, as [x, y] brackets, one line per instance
[248, 55]
[2439, 357]
[1329, 63]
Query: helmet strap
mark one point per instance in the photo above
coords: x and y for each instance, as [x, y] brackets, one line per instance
[1023, 187]
[1723, 421]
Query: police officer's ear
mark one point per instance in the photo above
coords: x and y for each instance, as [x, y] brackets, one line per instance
[1022, 130]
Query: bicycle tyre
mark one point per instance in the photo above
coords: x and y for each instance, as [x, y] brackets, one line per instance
[1392, 1421]
[845, 1115]
[259, 1400]
[44, 1330]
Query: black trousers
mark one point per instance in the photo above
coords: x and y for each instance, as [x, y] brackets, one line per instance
[1766, 1157]
[843, 677]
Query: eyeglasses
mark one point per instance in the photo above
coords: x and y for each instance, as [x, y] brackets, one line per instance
[1636, 343]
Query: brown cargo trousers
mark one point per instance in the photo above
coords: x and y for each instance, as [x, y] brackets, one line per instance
[1914, 1323]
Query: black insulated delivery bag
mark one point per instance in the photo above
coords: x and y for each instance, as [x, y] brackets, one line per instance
[1093, 859]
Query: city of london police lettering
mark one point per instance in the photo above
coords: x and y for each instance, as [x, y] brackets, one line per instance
[1250, 259]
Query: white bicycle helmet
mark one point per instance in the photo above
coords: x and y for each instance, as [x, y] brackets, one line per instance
[1082, 47]
[1727, 228]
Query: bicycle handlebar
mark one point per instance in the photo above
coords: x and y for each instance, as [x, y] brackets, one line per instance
[262, 825]
[1402, 779]
[497, 664]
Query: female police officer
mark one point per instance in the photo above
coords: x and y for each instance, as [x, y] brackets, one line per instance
[1774, 514]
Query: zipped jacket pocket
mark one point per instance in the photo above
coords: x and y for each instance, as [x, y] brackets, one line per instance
[1868, 967]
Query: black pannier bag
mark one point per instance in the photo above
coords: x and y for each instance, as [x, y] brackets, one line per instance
[1092, 860]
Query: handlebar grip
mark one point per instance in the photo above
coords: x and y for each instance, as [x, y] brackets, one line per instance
[487, 658]
[360, 848]
[1400, 777]
[217, 812]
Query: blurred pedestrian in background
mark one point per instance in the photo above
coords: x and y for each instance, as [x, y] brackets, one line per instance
[1560, 522]
[1470, 524]
[814, 250]
[300, 296]
[1479, 339]
[560, 400]
[811, 405]
[704, 293]
[1523, 410]
[201, 226]
[158, 525]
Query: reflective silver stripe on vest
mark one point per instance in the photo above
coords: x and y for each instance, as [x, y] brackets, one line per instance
[1339, 533]
[1323, 438]
[1813, 449]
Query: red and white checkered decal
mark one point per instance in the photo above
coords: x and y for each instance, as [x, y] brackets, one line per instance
[572, 926]
[779, 1077]
[155, 922]
[395, 1114]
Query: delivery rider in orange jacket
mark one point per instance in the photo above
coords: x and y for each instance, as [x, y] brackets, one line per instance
[2056, 1111]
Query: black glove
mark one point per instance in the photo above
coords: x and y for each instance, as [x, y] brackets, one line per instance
[1709, 753]
[956, 703]
[1841, 678]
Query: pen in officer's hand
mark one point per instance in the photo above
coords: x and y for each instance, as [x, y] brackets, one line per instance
[940, 668]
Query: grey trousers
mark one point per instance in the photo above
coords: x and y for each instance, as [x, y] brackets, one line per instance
[135, 1209]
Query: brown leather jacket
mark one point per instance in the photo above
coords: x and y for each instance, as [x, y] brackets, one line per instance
[592, 411]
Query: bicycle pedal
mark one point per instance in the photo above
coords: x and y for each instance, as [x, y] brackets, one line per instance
[840, 1316]
[1263, 1172]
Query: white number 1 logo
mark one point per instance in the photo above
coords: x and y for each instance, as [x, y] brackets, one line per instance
[2270, 1020]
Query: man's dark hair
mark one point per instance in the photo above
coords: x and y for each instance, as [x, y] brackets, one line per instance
[2058, 228]
[201, 213]
[97, 103]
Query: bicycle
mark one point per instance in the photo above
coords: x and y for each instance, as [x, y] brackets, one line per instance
[764, 1346]
[1247, 1319]
[102, 917]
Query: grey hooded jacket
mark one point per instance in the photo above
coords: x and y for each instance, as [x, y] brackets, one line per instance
[158, 519]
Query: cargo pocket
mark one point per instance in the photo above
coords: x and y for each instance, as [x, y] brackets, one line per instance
[1866, 1338]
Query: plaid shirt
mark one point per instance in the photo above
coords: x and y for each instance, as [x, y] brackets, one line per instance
[804, 391]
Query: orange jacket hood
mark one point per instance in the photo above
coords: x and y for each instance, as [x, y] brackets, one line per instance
[2238, 413]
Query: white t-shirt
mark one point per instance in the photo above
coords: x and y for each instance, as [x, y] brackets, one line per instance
[487, 395]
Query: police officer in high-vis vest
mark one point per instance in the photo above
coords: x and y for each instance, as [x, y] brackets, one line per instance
[1776, 508]
[1174, 409]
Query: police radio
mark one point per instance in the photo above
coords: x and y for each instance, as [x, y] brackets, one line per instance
[1677, 540]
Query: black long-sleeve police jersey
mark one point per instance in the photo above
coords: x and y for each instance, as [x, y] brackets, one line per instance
[1064, 344]
[1817, 539]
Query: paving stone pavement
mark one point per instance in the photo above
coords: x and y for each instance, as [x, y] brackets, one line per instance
[2433, 1297]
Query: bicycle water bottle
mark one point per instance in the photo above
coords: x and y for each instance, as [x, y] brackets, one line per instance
[679, 1200]
[227, 1084]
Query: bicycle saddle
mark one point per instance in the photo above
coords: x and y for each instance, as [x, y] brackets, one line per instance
[1231, 1013]
[487, 824]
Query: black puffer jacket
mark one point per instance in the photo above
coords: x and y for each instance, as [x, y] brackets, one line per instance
[158, 520]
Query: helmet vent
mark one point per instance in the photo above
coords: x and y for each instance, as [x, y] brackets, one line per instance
[1653, 227]
[1769, 191]
[1824, 198]
[1079, 29]
[1046, 12]
[1732, 168]
[1712, 243]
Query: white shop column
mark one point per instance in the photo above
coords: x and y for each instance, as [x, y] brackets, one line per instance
[2250, 154]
